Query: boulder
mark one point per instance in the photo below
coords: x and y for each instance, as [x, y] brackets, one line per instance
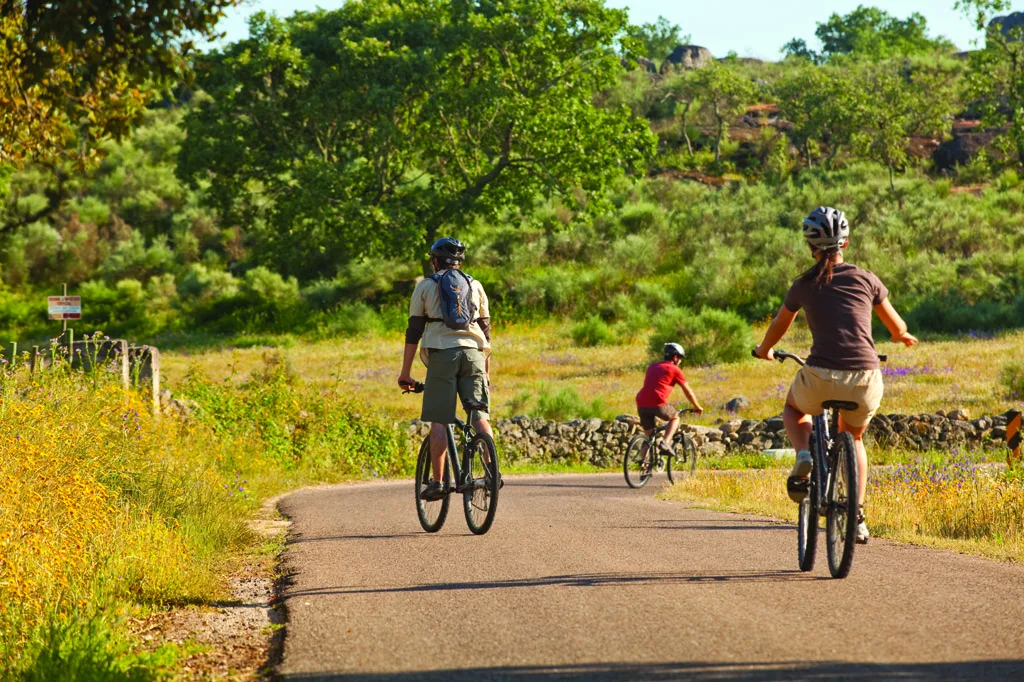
[774, 425]
[730, 427]
[687, 57]
[960, 415]
[712, 449]
[737, 404]
[594, 424]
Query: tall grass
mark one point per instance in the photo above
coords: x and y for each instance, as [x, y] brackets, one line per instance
[954, 505]
[109, 510]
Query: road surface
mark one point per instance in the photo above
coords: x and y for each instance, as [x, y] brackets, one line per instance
[582, 578]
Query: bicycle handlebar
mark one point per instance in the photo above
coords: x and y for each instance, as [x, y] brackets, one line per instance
[782, 356]
[417, 387]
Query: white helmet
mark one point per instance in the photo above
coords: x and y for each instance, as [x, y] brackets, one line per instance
[826, 229]
[673, 350]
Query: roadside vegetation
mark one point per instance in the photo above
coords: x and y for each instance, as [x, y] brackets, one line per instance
[952, 504]
[111, 512]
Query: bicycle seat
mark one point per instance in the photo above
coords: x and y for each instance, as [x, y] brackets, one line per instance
[840, 405]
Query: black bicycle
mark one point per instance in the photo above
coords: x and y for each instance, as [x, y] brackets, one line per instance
[831, 490]
[478, 478]
[643, 456]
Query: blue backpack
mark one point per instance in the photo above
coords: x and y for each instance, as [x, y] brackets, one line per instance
[455, 289]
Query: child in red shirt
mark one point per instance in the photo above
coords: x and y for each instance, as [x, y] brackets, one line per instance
[652, 400]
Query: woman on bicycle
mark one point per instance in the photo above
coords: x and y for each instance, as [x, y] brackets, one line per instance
[838, 298]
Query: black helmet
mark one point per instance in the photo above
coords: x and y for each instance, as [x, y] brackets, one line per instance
[448, 251]
[674, 350]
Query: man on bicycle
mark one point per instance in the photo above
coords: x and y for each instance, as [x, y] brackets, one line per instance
[652, 400]
[457, 356]
[838, 299]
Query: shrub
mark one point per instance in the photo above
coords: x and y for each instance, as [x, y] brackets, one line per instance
[566, 403]
[592, 331]
[1012, 377]
[350, 319]
[710, 336]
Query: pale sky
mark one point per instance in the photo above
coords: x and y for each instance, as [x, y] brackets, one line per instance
[753, 28]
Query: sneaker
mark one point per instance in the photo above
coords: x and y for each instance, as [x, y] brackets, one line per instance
[665, 448]
[862, 531]
[802, 467]
[433, 492]
[798, 483]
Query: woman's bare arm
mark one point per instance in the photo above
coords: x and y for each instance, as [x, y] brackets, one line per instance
[894, 323]
[780, 325]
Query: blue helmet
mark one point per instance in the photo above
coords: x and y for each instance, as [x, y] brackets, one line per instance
[448, 251]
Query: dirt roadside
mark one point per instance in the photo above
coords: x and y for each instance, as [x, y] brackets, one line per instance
[238, 639]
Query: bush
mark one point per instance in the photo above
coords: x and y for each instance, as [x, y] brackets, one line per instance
[710, 336]
[566, 403]
[1012, 377]
[592, 331]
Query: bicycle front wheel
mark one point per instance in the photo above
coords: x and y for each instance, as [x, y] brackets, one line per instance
[638, 461]
[483, 480]
[841, 514]
[432, 513]
[685, 458]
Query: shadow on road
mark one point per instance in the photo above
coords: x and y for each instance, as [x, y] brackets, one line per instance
[581, 580]
[299, 539]
[701, 672]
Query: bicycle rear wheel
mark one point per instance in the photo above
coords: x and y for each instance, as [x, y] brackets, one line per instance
[481, 500]
[685, 457]
[432, 513]
[807, 526]
[638, 461]
[841, 514]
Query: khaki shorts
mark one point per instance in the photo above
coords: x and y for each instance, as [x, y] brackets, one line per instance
[815, 385]
[455, 373]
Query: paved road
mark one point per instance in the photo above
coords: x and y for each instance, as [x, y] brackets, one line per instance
[582, 578]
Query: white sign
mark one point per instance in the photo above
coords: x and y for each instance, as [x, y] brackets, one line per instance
[64, 307]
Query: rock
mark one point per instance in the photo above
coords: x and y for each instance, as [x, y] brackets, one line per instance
[749, 426]
[961, 415]
[737, 404]
[747, 438]
[999, 433]
[920, 428]
[628, 419]
[730, 427]
[1011, 25]
[642, 63]
[687, 57]
[712, 449]
[774, 425]
[982, 424]
[713, 436]
[165, 397]
[594, 424]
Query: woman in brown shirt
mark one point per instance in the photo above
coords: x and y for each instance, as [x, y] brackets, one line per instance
[838, 299]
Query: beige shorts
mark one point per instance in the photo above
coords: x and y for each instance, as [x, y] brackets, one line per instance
[815, 385]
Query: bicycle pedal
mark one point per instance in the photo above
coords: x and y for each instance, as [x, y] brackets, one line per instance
[798, 487]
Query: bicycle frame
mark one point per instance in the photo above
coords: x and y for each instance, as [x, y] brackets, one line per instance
[823, 426]
[460, 460]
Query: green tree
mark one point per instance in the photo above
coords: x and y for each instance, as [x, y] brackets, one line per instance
[725, 93]
[368, 129]
[658, 39]
[872, 33]
[823, 104]
[995, 77]
[897, 105]
[73, 74]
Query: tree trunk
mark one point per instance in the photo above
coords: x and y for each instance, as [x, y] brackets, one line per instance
[718, 138]
[686, 133]
[892, 182]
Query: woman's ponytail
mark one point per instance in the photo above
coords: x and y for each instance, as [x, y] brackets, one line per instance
[825, 268]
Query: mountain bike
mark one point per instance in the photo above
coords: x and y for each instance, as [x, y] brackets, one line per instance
[831, 490]
[477, 479]
[643, 456]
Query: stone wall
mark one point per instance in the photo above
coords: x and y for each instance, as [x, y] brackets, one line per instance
[602, 443]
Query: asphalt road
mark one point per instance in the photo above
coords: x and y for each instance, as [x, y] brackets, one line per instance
[583, 578]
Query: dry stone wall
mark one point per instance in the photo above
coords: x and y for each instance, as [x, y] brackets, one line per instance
[601, 443]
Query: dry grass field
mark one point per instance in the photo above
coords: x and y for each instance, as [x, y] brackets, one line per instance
[528, 359]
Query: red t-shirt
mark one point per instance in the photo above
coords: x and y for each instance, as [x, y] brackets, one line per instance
[661, 378]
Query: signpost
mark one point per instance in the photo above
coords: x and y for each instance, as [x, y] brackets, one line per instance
[64, 307]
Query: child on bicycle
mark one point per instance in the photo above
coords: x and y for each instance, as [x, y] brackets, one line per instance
[838, 299]
[652, 400]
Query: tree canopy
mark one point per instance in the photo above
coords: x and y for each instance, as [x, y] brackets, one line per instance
[367, 129]
[73, 73]
[658, 38]
[871, 33]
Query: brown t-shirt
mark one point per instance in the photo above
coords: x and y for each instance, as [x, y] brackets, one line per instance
[839, 316]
